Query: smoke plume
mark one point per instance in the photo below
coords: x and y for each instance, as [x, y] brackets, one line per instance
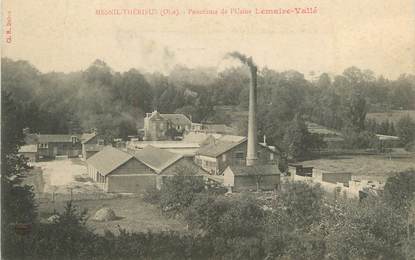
[243, 58]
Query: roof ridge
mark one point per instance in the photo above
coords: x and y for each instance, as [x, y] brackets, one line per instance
[140, 155]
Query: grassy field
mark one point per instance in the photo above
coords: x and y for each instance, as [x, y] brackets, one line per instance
[368, 165]
[393, 115]
[134, 215]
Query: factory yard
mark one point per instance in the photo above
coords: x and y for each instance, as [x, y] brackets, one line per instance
[59, 177]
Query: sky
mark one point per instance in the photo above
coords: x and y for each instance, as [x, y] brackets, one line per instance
[67, 35]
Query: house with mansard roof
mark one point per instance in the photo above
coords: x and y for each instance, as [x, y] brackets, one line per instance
[159, 127]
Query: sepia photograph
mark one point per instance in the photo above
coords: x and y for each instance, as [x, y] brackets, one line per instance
[211, 130]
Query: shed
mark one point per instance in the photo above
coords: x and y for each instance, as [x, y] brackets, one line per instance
[91, 144]
[29, 152]
[256, 177]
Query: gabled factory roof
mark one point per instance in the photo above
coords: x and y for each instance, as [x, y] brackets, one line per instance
[87, 136]
[219, 147]
[155, 158]
[109, 159]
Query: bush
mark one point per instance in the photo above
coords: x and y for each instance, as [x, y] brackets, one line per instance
[152, 196]
[399, 190]
[177, 192]
[302, 203]
[369, 230]
[359, 140]
[410, 147]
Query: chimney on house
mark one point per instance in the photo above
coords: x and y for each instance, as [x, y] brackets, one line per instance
[26, 131]
[251, 155]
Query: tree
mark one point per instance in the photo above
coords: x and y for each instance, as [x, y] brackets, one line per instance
[17, 200]
[297, 138]
[178, 192]
[359, 140]
[405, 129]
[400, 190]
[293, 228]
[324, 81]
[355, 111]
[403, 93]
[302, 203]
[369, 230]
[65, 237]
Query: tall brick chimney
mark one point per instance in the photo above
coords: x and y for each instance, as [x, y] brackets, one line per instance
[251, 155]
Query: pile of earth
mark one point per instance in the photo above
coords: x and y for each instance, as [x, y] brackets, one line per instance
[105, 214]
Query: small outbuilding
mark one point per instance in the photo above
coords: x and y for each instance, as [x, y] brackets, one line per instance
[91, 144]
[256, 177]
[29, 152]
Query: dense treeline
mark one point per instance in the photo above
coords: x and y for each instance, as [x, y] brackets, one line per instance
[114, 102]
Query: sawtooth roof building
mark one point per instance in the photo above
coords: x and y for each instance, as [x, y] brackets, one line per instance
[118, 171]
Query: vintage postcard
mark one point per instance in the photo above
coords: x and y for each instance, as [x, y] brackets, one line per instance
[221, 129]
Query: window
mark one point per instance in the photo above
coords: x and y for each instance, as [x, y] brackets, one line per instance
[271, 156]
[209, 164]
[74, 139]
[224, 158]
[101, 141]
[239, 155]
[43, 145]
[212, 164]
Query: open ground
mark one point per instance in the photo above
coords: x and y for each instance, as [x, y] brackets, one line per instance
[392, 116]
[63, 176]
[366, 165]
